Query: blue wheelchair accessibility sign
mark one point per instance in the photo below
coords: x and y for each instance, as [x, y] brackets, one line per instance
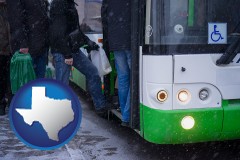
[217, 33]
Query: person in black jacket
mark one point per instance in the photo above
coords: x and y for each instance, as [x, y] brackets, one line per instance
[29, 24]
[4, 56]
[63, 23]
[116, 20]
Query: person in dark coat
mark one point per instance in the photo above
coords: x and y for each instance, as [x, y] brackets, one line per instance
[64, 22]
[29, 24]
[4, 56]
[116, 20]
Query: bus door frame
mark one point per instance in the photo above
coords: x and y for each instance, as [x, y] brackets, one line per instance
[137, 22]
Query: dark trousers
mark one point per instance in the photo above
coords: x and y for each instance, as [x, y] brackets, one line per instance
[4, 77]
[86, 67]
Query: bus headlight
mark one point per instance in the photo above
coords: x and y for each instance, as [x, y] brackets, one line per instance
[184, 96]
[162, 96]
[188, 122]
[203, 94]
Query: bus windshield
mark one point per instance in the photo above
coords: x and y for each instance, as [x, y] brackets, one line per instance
[172, 22]
[89, 12]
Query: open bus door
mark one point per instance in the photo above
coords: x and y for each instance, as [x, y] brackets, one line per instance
[89, 17]
[137, 12]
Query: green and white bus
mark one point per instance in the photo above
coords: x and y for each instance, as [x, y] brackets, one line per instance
[185, 81]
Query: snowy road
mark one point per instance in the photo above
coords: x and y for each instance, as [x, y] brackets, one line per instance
[100, 139]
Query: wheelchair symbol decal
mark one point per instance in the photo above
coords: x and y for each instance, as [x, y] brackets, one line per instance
[217, 33]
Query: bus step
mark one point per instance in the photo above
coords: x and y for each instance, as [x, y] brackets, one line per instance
[115, 112]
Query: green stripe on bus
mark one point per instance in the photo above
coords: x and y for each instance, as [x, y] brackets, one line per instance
[231, 125]
[211, 124]
[164, 126]
[141, 120]
[190, 13]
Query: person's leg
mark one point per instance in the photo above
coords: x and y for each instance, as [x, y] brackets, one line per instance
[3, 83]
[123, 66]
[61, 68]
[39, 65]
[85, 66]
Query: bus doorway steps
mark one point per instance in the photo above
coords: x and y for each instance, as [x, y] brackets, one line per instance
[115, 112]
